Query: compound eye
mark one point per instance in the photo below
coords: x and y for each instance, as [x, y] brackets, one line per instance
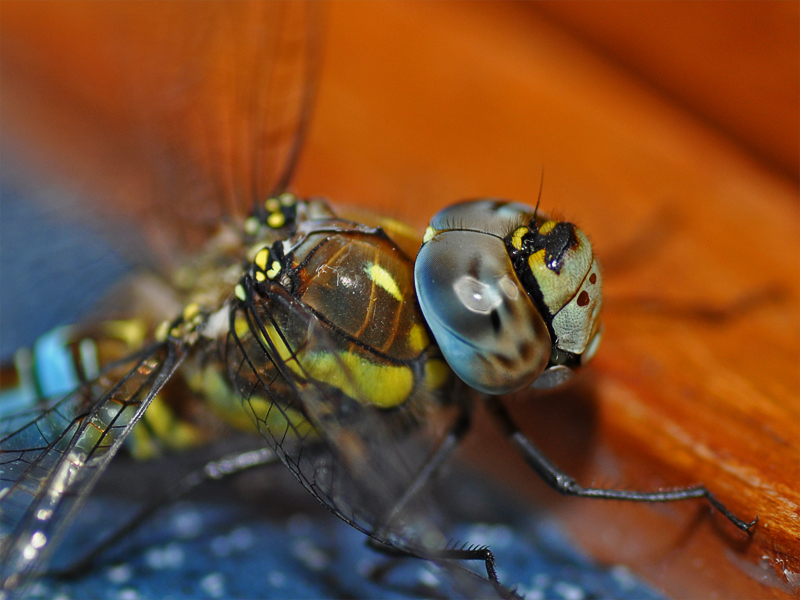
[488, 329]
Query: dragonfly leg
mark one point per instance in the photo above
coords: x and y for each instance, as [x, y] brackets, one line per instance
[490, 585]
[215, 470]
[442, 452]
[433, 463]
[564, 484]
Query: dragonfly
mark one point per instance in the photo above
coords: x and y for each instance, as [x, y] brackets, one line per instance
[292, 321]
[210, 137]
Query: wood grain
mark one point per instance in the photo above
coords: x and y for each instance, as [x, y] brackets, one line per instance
[733, 63]
[422, 104]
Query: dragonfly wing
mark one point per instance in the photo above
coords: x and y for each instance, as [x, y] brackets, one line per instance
[357, 459]
[50, 460]
[288, 368]
[175, 115]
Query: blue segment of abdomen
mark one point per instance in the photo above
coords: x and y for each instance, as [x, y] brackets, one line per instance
[51, 372]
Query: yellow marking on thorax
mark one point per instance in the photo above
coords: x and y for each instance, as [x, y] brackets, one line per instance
[547, 227]
[274, 270]
[261, 258]
[384, 386]
[383, 279]
[252, 225]
[536, 260]
[240, 325]
[418, 338]
[276, 219]
[191, 311]
[253, 250]
[162, 331]
[516, 239]
[228, 405]
[394, 226]
[429, 233]
[437, 373]
[131, 331]
[164, 430]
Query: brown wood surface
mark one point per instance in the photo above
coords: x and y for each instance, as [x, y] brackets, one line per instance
[734, 63]
[422, 104]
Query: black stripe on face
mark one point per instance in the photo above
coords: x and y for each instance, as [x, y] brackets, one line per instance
[555, 244]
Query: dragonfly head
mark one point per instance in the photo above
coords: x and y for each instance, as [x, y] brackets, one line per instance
[512, 297]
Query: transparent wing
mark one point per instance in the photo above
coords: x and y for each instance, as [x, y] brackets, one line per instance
[172, 114]
[359, 460]
[50, 458]
[319, 432]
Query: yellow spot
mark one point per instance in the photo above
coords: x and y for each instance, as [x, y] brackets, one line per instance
[141, 444]
[284, 351]
[260, 276]
[230, 408]
[240, 325]
[251, 226]
[276, 219]
[163, 430]
[176, 332]
[276, 268]
[163, 423]
[240, 293]
[355, 375]
[240, 413]
[418, 338]
[383, 279]
[288, 420]
[212, 385]
[384, 386]
[253, 250]
[437, 373]
[161, 331]
[547, 227]
[272, 205]
[191, 311]
[393, 226]
[429, 233]
[261, 258]
[536, 260]
[516, 239]
[288, 199]
[130, 331]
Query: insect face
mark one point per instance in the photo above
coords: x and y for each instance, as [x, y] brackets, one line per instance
[512, 297]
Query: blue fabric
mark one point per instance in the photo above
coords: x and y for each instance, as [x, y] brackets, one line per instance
[53, 270]
[206, 550]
